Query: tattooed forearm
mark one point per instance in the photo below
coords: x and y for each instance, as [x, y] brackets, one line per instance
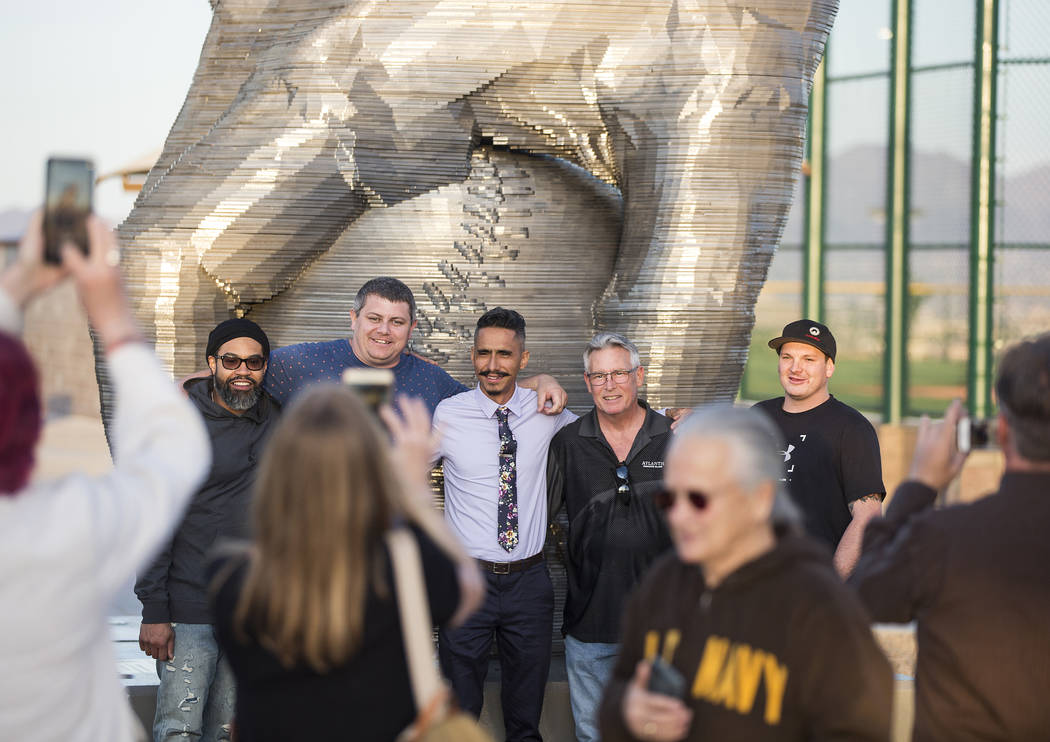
[866, 498]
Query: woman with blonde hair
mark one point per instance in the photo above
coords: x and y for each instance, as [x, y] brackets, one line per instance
[307, 613]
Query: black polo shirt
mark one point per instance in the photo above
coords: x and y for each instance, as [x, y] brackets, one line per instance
[611, 540]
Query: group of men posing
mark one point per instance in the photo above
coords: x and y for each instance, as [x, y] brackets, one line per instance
[772, 644]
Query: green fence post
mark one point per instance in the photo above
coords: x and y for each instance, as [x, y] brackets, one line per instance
[898, 202]
[813, 243]
[982, 208]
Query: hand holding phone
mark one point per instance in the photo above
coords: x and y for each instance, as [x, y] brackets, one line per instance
[665, 679]
[372, 385]
[67, 204]
[971, 433]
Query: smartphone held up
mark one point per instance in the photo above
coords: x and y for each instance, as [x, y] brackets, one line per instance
[972, 433]
[373, 385]
[67, 204]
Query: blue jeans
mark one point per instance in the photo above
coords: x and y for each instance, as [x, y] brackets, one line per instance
[589, 666]
[196, 696]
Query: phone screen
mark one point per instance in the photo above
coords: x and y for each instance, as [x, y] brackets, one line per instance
[67, 204]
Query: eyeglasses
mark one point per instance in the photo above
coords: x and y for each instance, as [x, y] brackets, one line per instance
[620, 375]
[665, 500]
[623, 491]
[230, 362]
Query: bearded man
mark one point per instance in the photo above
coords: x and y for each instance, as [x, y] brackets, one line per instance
[196, 693]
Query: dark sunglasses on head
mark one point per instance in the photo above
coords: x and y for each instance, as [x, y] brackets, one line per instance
[230, 362]
[665, 500]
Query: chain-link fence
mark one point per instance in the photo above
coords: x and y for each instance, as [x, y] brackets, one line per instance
[1022, 234]
[853, 198]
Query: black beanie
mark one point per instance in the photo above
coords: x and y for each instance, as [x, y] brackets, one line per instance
[236, 328]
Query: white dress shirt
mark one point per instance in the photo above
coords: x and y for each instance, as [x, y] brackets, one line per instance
[470, 449]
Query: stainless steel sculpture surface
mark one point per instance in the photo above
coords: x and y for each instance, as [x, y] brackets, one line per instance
[591, 163]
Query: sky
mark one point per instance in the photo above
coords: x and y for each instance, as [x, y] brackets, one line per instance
[103, 79]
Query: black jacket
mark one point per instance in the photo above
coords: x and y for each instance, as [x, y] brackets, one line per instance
[780, 650]
[174, 588]
[612, 539]
[976, 578]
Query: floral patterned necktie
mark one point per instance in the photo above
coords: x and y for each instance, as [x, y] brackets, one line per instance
[507, 506]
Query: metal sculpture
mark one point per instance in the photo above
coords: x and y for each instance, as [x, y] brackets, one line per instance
[593, 164]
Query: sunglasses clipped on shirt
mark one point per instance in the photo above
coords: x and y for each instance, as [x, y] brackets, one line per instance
[623, 490]
[231, 362]
[665, 500]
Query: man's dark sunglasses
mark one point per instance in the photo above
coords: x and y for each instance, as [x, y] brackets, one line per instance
[665, 500]
[623, 491]
[230, 362]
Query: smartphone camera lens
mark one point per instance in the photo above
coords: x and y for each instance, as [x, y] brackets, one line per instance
[979, 437]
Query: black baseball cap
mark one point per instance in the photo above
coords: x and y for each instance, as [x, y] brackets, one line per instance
[809, 332]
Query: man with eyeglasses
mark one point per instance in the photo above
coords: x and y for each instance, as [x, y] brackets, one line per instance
[604, 468]
[743, 631]
[196, 692]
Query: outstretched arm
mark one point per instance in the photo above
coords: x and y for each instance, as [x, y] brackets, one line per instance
[414, 444]
[27, 277]
[901, 552]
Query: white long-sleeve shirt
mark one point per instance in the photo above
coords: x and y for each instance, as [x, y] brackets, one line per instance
[67, 547]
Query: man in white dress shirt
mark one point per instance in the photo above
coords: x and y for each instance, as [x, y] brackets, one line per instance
[494, 446]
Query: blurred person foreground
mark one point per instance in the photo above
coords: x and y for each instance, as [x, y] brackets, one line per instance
[68, 545]
[975, 577]
[306, 613]
[744, 631]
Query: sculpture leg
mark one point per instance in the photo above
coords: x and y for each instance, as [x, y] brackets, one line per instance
[709, 173]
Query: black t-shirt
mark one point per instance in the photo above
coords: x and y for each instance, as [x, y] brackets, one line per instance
[368, 698]
[831, 459]
[612, 539]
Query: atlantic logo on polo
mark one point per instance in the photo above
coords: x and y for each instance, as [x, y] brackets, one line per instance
[652, 465]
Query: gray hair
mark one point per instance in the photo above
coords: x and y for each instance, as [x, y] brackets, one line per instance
[754, 442]
[604, 340]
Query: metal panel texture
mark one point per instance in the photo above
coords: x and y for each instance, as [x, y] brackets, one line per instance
[597, 164]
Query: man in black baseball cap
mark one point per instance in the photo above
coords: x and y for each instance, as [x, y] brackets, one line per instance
[809, 332]
[176, 629]
[832, 462]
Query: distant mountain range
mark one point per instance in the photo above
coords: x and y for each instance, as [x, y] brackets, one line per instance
[856, 188]
[940, 200]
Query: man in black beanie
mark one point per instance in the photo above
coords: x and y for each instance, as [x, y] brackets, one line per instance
[196, 692]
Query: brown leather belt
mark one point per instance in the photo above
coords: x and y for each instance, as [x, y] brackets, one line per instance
[505, 568]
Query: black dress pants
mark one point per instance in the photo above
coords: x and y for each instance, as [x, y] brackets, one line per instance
[518, 611]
